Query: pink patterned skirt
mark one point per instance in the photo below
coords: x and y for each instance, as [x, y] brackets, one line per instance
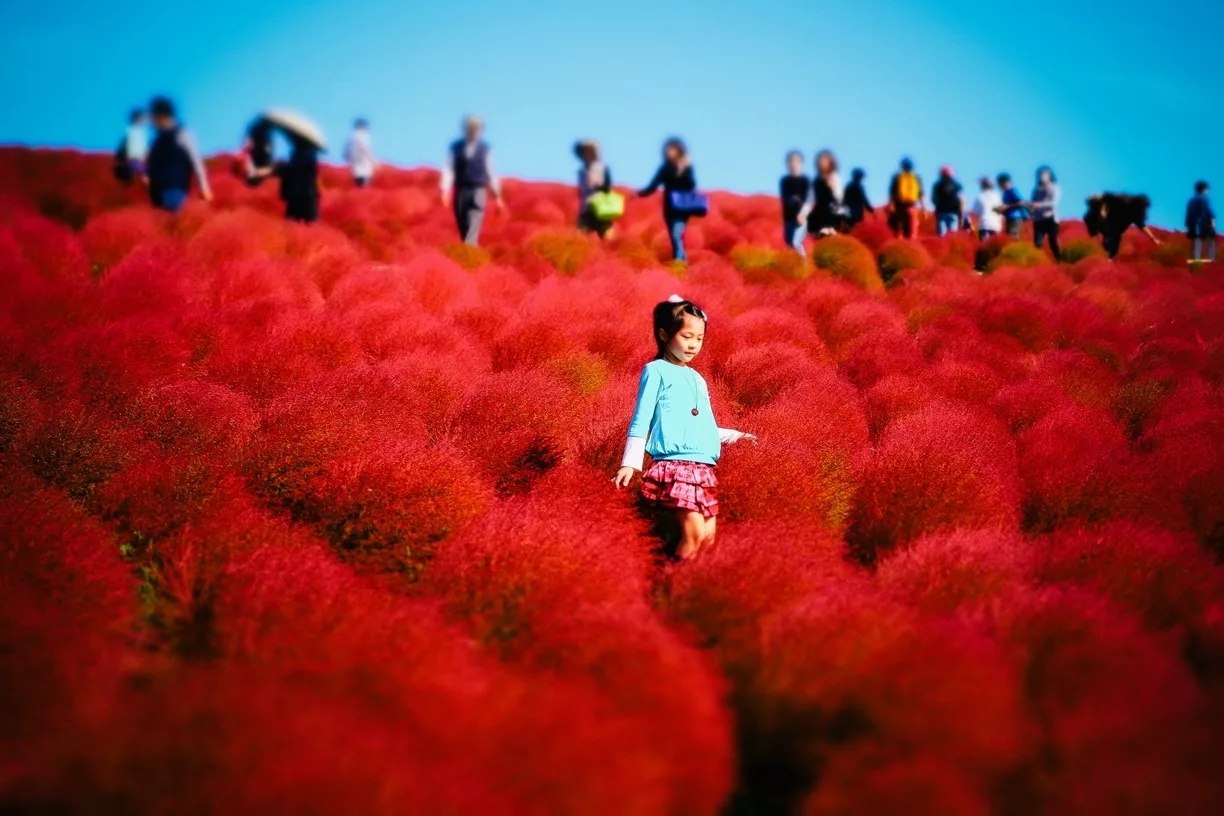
[681, 484]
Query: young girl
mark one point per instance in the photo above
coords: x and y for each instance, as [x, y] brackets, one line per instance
[673, 422]
[824, 209]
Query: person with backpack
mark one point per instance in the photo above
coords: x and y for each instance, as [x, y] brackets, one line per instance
[172, 160]
[946, 198]
[1044, 208]
[360, 154]
[905, 200]
[1012, 205]
[675, 175]
[133, 148]
[793, 191]
[468, 174]
[855, 200]
[825, 215]
[1200, 223]
[988, 209]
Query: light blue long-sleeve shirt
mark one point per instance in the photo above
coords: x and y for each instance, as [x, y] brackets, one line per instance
[663, 417]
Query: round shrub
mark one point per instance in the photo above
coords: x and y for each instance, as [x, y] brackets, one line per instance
[847, 259]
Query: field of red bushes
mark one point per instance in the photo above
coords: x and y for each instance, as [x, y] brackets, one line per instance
[319, 519]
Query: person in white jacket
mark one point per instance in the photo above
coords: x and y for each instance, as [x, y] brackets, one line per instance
[988, 209]
[359, 154]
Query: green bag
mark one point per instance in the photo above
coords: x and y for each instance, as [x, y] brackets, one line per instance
[607, 206]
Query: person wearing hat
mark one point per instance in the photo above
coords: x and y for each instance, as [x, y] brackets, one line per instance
[468, 178]
[946, 196]
[172, 160]
[593, 177]
[359, 154]
[299, 180]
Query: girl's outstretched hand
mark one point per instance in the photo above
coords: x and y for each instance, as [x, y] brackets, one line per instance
[623, 477]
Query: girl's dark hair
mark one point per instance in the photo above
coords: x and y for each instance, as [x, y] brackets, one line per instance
[1045, 168]
[676, 142]
[827, 154]
[669, 317]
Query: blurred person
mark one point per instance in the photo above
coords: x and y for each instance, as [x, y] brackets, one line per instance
[359, 153]
[1111, 214]
[988, 209]
[1200, 223]
[299, 180]
[855, 198]
[593, 177]
[133, 148]
[1012, 205]
[468, 178]
[825, 214]
[675, 175]
[1044, 208]
[905, 200]
[673, 421]
[257, 151]
[793, 191]
[172, 160]
[946, 200]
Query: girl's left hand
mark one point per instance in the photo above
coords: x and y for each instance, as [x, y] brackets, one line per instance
[751, 438]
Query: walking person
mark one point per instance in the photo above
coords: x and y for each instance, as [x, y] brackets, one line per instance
[299, 180]
[257, 151]
[1012, 207]
[593, 177]
[855, 199]
[468, 178]
[172, 160]
[1044, 208]
[905, 200]
[825, 215]
[1200, 223]
[988, 209]
[793, 191]
[675, 175]
[673, 421]
[360, 154]
[946, 198]
[1111, 214]
[133, 148]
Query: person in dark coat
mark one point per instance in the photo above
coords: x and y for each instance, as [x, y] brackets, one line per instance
[1200, 223]
[172, 161]
[793, 191]
[468, 178]
[299, 181]
[675, 174]
[855, 198]
[1111, 214]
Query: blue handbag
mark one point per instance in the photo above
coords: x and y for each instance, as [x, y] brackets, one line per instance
[689, 202]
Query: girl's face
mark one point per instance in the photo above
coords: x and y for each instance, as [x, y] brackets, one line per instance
[795, 164]
[1045, 177]
[824, 163]
[684, 345]
[671, 153]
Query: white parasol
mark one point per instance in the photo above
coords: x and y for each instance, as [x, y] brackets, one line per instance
[298, 125]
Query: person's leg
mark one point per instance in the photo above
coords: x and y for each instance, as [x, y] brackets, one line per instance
[1039, 233]
[912, 222]
[798, 238]
[475, 217]
[1054, 247]
[692, 533]
[711, 527]
[1112, 242]
[788, 232]
[675, 231]
[1211, 248]
[460, 204]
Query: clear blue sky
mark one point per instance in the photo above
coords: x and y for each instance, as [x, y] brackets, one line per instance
[1115, 95]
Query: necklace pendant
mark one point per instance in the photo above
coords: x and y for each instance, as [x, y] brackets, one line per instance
[695, 412]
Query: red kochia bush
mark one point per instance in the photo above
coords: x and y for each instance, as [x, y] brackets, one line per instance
[572, 597]
[946, 571]
[940, 468]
